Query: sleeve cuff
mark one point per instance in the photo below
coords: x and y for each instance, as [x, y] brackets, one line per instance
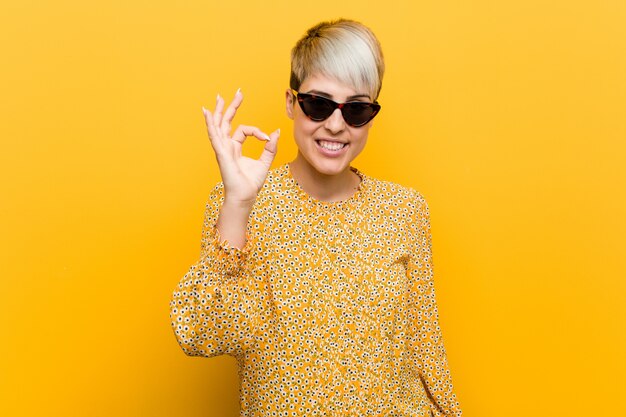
[230, 258]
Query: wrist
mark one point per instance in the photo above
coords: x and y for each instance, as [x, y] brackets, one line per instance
[237, 206]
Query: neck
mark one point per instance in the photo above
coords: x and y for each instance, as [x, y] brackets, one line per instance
[323, 187]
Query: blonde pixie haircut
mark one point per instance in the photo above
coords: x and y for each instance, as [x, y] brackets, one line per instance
[343, 49]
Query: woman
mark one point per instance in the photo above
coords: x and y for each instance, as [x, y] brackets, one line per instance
[316, 277]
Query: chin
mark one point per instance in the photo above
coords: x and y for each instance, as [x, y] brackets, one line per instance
[331, 167]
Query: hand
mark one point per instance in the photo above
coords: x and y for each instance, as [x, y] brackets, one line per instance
[243, 177]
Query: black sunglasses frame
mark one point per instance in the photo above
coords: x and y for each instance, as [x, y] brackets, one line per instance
[344, 107]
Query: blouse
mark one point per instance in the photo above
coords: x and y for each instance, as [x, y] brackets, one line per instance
[329, 308]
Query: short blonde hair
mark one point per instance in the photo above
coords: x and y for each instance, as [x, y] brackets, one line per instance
[342, 49]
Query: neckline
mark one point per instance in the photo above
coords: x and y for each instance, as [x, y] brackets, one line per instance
[306, 197]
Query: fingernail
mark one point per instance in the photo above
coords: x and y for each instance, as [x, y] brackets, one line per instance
[218, 98]
[266, 137]
[238, 91]
[278, 131]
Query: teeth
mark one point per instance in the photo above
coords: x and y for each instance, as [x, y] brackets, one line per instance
[331, 146]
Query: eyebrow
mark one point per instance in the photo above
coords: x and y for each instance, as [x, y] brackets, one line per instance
[323, 94]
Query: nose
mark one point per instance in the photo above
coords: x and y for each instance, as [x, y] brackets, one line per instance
[335, 122]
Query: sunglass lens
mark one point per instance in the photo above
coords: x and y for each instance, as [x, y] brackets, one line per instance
[320, 108]
[317, 108]
[358, 114]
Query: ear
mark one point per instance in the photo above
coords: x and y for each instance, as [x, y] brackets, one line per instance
[289, 102]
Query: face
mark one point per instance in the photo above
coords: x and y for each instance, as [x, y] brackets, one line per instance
[329, 146]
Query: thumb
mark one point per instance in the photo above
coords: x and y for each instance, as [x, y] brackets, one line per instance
[270, 149]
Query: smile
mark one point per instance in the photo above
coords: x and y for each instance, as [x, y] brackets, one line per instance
[331, 146]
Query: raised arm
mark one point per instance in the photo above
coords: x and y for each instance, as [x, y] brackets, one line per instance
[243, 177]
[219, 303]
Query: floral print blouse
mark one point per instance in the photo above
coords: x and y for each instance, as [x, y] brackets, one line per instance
[329, 308]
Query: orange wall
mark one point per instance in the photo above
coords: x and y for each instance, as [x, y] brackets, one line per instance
[510, 117]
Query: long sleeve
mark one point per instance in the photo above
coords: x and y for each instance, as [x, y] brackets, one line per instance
[329, 307]
[428, 355]
[219, 302]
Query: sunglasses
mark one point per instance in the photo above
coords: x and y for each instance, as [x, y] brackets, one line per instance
[355, 113]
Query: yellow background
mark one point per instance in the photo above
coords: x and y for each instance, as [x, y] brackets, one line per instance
[509, 116]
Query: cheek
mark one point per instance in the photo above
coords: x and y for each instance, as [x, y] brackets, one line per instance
[360, 136]
[304, 125]
[302, 132]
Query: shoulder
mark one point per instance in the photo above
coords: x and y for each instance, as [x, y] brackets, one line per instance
[276, 187]
[399, 208]
[275, 176]
[393, 194]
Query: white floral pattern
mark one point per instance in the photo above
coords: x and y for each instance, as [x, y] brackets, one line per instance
[329, 308]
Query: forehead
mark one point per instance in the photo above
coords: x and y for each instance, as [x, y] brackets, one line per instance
[331, 87]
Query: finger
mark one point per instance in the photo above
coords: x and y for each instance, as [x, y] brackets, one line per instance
[242, 132]
[231, 111]
[213, 134]
[270, 149]
[219, 108]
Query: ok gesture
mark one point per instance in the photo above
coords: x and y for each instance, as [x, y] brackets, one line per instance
[243, 177]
